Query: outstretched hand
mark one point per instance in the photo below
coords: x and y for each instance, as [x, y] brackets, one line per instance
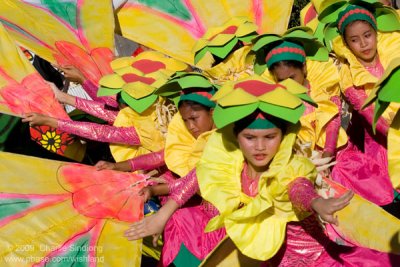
[326, 208]
[105, 165]
[36, 119]
[152, 225]
[73, 74]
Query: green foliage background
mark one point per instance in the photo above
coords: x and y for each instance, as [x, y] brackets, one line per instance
[295, 16]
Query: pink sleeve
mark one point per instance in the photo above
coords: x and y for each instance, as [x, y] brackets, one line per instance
[301, 193]
[96, 109]
[181, 190]
[148, 161]
[101, 132]
[332, 130]
[357, 97]
[91, 89]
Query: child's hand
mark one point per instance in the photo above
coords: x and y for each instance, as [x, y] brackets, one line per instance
[146, 192]
[73, 74]
[105, 165]
[36, 119]
[327, 207]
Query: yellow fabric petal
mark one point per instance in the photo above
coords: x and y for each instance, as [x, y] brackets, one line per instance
[219, 170]
[383, 239]
[98, 23]
[115, 249]
[293, 86]
[112, 81]
[138, 89]
[36, 20]
[41, 178]
[281, 97]
[127, 70]
[121, 62]
[237, 97]
[43, 230]
[221, 39]
[12, 59]
[178, 41]
[148, 129]
[182, 151]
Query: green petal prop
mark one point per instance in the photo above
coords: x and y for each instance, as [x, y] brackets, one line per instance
[182, 81]
[386, 90]
[220, 41]
[106, 91]
[301, 35]
[236, 100]
[139, 105]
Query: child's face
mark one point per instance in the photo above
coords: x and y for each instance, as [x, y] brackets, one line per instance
[361, 39]
[259, 146]
[197, 121]
[283, 72]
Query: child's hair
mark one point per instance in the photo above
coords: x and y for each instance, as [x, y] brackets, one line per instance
[193, 105]
[288, 63]
[243, 123]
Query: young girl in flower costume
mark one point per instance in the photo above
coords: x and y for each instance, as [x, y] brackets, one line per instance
[297, 55]
[366, 46]
[138, 128]
[247, 168]
[185, 243]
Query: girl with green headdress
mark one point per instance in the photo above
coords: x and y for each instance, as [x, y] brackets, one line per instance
[299, 56]
[249, 173]
[185, 243]
[367, 43]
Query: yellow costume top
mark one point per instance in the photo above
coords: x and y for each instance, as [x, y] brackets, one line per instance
[257, 229]
[182, 150]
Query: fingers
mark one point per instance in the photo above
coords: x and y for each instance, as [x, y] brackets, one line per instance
[342, 201]
[155, 239]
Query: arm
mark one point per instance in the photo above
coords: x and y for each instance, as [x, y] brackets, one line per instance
[332, 130]
[304, 198]
[100, 133]
[96, 109]
[144, 162]
[357, 97]
[180, 191]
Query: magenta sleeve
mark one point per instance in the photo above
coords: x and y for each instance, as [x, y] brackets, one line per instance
[91, 90]
[96, 109]
[181, 190]
[101, 132]
[301, 193]
[332, 130]
[148, 161]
